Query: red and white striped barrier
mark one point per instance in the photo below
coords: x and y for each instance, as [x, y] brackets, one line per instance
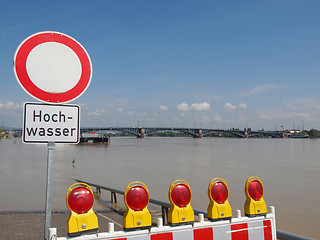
[239, 228]
[242, 231]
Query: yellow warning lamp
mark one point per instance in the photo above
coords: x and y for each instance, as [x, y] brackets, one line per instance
[82, 219]
[180, 211]
[137, 215]
[254, 205]
[219, 207]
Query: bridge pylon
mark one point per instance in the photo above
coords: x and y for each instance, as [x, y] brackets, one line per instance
[199, 134]
[142, 133]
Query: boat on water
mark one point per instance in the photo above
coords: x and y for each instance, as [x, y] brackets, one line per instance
[299, 136]
[296, 134]
[94, 138]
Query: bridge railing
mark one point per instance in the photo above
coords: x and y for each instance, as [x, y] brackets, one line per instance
[282, 235]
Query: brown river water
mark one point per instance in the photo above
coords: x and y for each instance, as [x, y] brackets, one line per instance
[288, 168]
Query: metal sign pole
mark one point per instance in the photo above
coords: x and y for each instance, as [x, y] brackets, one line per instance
[51, 147]
[56, 115]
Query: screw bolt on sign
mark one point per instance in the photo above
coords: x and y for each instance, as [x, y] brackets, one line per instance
[52, 67]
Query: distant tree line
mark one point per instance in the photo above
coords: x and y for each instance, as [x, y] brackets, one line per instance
[314, 133]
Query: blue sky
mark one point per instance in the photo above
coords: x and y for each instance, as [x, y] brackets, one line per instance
[209, 64]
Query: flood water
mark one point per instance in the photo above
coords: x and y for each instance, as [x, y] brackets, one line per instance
[288, 168]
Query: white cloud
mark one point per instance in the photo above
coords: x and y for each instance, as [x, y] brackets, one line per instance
[183, 107]
[11, 105]
[205, 119]
[198, 107]
[230, 107]
[83, 106]
[216, 117]
[243, 105]
[258, 89]
[177, 119]
[130, 113]
[312, 104]
[119, 110]
[286, 115]
[298, 110]
[164, 108]
[97, 113]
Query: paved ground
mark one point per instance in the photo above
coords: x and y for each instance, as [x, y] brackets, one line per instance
[30, 225]
[20, 226]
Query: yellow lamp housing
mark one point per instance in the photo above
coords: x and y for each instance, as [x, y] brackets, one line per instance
[254, 205]
[82, 219]
[137, 215]
[180, 211]
[219, 207]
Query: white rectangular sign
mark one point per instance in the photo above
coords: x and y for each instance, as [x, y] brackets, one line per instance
[43, 123]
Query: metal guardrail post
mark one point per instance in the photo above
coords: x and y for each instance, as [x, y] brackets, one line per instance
[113, 197]
[164, 211]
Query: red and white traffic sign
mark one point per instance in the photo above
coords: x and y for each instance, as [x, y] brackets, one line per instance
[52, 67]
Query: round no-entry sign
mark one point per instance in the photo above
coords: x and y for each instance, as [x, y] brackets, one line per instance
[52, 67]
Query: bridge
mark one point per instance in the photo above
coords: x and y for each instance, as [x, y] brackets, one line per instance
[142, 132]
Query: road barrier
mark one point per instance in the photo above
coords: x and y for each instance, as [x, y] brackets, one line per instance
[252, 227]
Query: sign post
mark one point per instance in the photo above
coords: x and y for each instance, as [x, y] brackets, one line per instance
[51, 147]
[53, 68]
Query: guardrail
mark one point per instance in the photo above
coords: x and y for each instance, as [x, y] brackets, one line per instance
[290, 236]
[282, 235]
[164, 205]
